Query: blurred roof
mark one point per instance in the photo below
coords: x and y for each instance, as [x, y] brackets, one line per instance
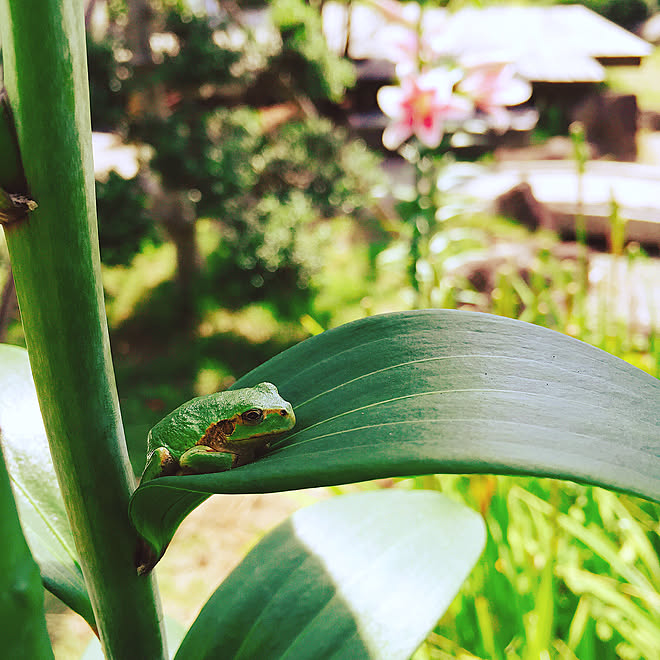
[562, 43]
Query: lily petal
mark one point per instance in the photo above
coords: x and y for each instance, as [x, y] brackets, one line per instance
[515, 92]
[395, 134]
[390, 100]
[430, 134]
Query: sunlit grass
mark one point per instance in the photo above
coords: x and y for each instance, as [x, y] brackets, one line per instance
[256, 323]
[125, 286]
[569, 571]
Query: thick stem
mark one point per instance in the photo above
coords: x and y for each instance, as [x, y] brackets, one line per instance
[55, 258]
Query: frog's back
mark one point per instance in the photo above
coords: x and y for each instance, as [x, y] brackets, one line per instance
[183, 427]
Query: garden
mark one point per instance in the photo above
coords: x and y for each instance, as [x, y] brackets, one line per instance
[464, 462]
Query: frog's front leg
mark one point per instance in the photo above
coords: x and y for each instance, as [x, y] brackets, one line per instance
[211, 454]
[201, 459]
[161, 463]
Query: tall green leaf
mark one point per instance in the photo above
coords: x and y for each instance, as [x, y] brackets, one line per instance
[36, 490]
[438, 391]
[22, 620]
[359, 576]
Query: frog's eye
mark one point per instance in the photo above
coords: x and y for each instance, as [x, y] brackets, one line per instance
[253, 416]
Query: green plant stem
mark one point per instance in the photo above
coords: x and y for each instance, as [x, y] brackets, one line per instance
[55, 257]
[415, 256]
[581, 157]
[420, 231]
[583, 264]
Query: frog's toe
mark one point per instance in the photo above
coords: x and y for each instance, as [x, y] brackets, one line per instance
[160, 463]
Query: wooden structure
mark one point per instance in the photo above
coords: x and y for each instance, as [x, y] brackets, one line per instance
[555, 44]
[562, 50]
[631, 186]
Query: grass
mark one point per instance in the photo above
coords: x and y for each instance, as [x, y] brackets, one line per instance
[569, 571]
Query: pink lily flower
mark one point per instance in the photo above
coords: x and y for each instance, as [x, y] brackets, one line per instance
[409, 48]
[403, 45]
[420, 106]
[493, 86]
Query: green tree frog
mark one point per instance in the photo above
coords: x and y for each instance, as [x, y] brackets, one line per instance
[217, 432]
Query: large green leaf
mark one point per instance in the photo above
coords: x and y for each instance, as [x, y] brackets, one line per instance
[36, 490]
[439, 391]
[22, 619]
[359, 576]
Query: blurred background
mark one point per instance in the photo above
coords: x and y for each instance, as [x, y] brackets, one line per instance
[246, 202]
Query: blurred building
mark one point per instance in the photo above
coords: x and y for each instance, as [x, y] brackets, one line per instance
[562, 50]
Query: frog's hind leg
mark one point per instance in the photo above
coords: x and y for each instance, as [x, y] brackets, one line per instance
[201, 459]
[159, 464]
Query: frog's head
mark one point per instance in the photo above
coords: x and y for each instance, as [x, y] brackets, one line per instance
[261, 411]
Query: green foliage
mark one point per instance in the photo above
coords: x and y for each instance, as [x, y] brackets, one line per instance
[124, 222]
[269, 189]
[305, 58]
[117, 9]
[627, 13]
[268, 186]
[337, 173]
[574, 567]
[225, 168]
[233, 161]
[199, 60]
[269, 247]
[107, 85]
